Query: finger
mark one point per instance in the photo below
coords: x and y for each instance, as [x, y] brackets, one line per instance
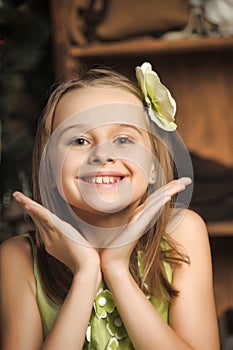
[42, 217]
[180, 184]
[44, 232]
[152, 209]
[136, 228]
[52, 224]
[67, 229]
[167, 191]
[28, 204]
[22, 198]
[34, 209]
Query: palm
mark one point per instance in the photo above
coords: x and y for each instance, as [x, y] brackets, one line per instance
[76, 253]
[120, 249]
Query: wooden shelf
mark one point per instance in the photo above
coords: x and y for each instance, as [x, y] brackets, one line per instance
[147, 45]
[220, 228]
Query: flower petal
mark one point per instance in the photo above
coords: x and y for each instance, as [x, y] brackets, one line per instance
[161, 105]
[161, 121]
[113, 344]
[142, 84]
[160, 97]
[104, 303]
[115, 325]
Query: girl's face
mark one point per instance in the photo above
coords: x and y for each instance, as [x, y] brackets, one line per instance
[108, 162]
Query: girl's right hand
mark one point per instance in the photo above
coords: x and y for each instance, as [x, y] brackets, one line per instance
[77, 257]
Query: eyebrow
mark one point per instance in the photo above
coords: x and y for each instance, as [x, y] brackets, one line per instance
[77, 126]
[130, 126]
[72, 127]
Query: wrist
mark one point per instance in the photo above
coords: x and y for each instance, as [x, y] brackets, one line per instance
[88, 275]
[116, 272]
[87, 266]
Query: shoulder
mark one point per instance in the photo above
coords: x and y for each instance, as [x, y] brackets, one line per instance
[190, 232]
[16, 258]
[19, 246]
[194, 281]
[19, 308]
[191, 237]
[188, 225]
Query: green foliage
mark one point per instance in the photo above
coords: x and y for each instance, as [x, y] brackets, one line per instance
[24, 36]
[25, 73]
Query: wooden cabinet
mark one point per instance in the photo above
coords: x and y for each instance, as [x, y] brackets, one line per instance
[68, 56]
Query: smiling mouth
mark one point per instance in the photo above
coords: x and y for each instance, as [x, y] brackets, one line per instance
[106, 180]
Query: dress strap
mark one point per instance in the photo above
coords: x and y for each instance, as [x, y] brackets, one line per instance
[48, 310]
[34, 255]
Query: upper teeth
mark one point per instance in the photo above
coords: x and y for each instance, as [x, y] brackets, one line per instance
[102, 179]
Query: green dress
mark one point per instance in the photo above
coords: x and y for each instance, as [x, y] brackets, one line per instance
[106, 330]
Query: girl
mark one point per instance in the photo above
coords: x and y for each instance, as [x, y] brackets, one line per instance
[112, 264]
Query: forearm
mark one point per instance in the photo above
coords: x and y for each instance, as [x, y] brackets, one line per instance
[145, 327]
[71, 324]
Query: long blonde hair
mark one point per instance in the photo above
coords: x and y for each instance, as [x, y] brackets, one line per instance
[56, 278]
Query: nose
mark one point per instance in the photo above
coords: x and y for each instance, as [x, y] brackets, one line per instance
[101, 154]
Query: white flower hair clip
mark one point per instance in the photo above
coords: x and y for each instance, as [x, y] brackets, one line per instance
[160, 103]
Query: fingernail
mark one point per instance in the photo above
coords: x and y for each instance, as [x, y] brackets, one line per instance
[16, 194]
[16, 197]
[185, 181]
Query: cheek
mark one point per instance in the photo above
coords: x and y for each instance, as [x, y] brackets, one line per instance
[142, 167]
[140, 180]
[67, 179]
[140, 158]
[72, 163]
[69, 165]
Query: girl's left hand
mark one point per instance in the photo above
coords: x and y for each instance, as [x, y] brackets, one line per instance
[117, 255]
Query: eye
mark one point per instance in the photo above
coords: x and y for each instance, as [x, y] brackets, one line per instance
[80, 141]
[122, 140]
